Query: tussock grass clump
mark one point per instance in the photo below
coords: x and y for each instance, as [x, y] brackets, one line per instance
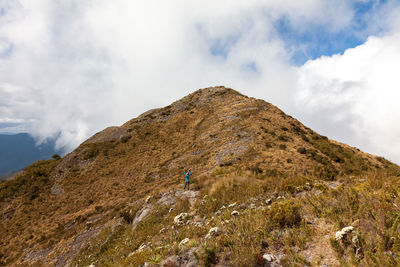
[285, 214]
[34, 180]
[372, 207]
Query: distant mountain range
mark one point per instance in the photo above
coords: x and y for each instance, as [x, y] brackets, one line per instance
[19, 150]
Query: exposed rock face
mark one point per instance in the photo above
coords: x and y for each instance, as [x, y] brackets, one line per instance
[180, 219]
[235, 213]
[185, 259]
[184, 242]
[271, 260]
[141, 214]
[108, 134]
[340, 235]
[215, 231]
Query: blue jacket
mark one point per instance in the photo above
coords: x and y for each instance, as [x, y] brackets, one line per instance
[187, 175]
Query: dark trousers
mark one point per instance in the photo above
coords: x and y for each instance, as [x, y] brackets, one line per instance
[186, 183]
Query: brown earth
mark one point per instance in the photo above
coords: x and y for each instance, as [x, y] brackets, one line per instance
[49, 211]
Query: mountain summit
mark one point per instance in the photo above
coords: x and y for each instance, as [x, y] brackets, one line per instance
[259, 190]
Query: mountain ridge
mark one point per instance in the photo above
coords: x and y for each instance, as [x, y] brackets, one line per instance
[225, 137]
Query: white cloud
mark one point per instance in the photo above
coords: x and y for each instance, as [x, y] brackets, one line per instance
[361, 90]
[78, 66]
[74, 67]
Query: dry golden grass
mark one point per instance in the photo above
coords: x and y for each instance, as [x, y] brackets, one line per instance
[237, 147]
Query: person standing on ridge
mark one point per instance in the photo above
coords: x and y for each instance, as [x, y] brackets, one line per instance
[187, 176]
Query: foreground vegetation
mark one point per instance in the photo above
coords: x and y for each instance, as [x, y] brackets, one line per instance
[289, 188]
[288, 227]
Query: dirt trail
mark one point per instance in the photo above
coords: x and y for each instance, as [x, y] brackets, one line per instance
[319, 252]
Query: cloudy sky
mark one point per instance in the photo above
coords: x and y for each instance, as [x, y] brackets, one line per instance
[71, 68]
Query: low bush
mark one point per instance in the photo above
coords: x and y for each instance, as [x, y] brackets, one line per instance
[302, 150]
[125, 138]
[285, 214]
[283, 138]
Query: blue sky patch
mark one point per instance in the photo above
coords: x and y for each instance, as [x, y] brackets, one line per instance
[251, 67]
[221, 47]
[318, 41]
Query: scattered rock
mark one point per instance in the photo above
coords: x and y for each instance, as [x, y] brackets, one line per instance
[269, 257]
[189, 194]
[186, 259]
[166, 199]
[184, 242]
[141, 214]
[143, 246]
[357, 246]
[169, 198]
[268, 201]
[340, 235]
[232, 205]
[253, 206]
[148, 199]
[223, 207]
[198, 224]
[56, 190]
[242, 206]
[271, 260]
[180, 219]
[235, 213]
[213, 232]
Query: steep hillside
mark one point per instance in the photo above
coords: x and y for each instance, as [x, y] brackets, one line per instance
[114, 200]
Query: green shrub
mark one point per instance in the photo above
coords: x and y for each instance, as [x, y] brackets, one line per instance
[33, 181]
[209, 256]
[125, 139]
[328, 172]
[305, 138]
[127, 216]
[285, 214]
[92, 151]
[284, 138]
[336, 247]
[56, 156]
[271, 172]
[302, 150]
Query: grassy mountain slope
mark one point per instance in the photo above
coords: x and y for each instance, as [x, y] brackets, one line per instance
[81, 208]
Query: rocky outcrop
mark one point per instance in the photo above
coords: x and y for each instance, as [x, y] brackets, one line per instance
[181, 218]
[185, 259]
[342, 234]
[271, 260]
[141, 214]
